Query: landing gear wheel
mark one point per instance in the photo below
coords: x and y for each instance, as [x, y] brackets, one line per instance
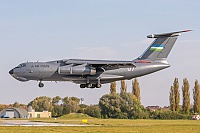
[98, 85]
[93, 86]
[82, 85]
[41, 85]
[89, 85]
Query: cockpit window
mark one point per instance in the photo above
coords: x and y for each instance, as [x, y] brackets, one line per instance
[21, 65]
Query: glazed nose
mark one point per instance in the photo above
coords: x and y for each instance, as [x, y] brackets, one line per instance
[11, 72]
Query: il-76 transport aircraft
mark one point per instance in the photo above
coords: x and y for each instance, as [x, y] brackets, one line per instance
[94, 73]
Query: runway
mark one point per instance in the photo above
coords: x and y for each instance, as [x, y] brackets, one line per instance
[30, 123]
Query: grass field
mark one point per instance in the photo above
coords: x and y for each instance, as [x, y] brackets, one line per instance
[111, 125]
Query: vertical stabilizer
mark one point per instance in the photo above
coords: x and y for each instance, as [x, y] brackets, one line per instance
[161, 46]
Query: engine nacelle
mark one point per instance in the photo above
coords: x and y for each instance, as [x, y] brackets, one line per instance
[77, 70]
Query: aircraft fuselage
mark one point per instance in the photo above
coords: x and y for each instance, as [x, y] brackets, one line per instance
[93, 73]
[49, 71]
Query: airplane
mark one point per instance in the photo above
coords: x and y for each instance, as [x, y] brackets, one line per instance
[94, 73]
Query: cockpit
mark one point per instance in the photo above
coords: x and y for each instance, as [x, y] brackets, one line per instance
[18, 73]
[21, 65]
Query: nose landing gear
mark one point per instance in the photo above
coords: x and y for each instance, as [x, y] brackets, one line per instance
[41, 84]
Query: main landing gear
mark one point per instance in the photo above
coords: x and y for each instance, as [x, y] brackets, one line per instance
[41, 84]
[89, 85]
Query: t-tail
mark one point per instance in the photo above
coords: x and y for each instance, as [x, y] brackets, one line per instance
[161, 46]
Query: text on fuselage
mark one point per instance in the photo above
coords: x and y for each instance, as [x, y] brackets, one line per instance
[39, 65]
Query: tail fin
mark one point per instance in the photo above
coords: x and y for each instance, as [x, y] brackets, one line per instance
[161, 46]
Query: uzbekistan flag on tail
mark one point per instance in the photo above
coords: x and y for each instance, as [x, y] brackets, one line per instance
[157, 47]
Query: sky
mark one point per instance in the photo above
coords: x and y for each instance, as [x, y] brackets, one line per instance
[46, 30]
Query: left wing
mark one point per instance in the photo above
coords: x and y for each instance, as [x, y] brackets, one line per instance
[90, 67]
[100, 63]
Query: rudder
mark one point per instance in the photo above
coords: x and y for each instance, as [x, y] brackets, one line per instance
[161, 46]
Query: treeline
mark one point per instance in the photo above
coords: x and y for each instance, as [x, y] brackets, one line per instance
[15, 105]
[112, 105]
[186, 107]
[123, 105]
[68, 105]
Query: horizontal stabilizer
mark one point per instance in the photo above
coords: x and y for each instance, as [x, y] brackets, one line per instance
[171, 34]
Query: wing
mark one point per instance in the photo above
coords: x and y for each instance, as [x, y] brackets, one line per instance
[104, 64]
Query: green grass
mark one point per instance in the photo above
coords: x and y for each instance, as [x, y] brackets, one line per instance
[135, 126]
[110, 125]
[75, 116]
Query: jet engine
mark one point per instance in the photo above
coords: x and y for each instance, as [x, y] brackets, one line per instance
[77, 70]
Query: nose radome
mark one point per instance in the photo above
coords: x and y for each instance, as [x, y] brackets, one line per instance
[11, 72]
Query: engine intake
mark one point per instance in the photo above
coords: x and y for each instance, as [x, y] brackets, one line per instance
[77, 70]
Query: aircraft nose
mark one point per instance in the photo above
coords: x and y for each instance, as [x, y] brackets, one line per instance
[11, 72]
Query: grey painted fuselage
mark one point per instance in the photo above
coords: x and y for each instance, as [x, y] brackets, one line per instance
[93, 73]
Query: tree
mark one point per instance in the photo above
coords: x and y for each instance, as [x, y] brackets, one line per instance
[75, 99]
[172, 99]
[136, 88]
[176, 94]
[129, 98]
[34, 104]
[133, 107]
[56, 100]
[113, 87]
[123, 86]
[65, 100]
[93, 110]
[74, 106]
[124, 105]
[16, 105]
[57, 111]
[66, 110]
[186, 96]
[71, 105]
[3, 106]
[196, 97]
[42, 103]
[111, 105]
[82, 108]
